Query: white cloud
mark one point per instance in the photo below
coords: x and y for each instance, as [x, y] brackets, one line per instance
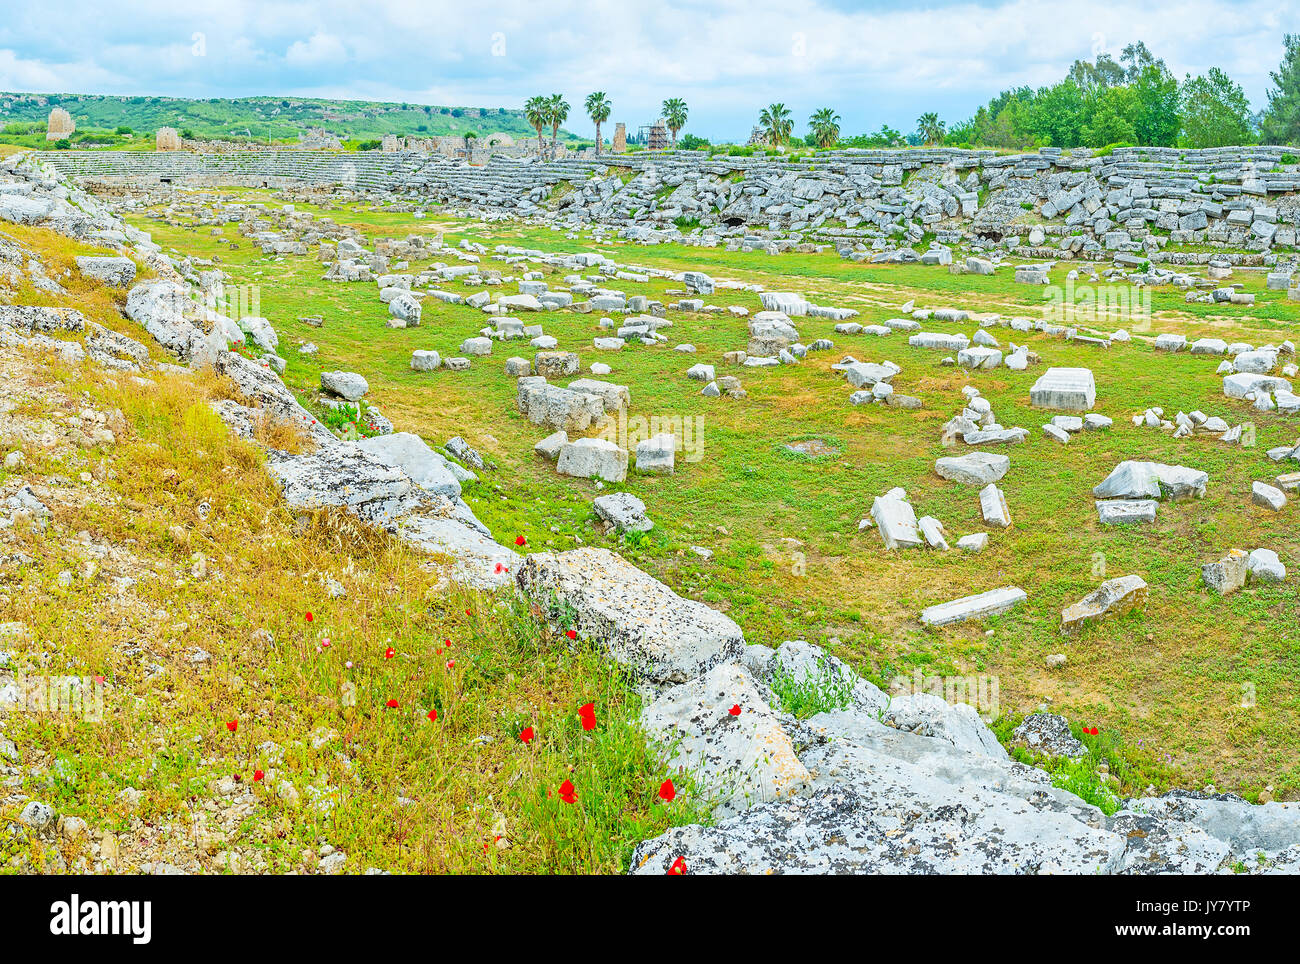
[20, 73]
[321, 50]
[872, 62]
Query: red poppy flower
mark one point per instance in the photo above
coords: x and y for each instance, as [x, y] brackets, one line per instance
[526, 734]
[520, 541]
[567, 793]
[678, 868]
[433, 716]
[667, 791]
[572, 633]
[392, 704]
[468, 613]
[735, 709]
[257, 776]
[588, 714]
[308, 617]
[389, 653]
[451, 664]
[232, 725]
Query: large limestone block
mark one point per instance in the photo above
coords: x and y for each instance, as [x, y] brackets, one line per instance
[1152, 480]
[165, 311]
[410, 453]
[638, 620]
[347, 385]
[974, 468]
[740, 760]
[593, 458]
[896, 520]
[1065, 390]
[979, 606]
[1114, 597]
[1228, 574]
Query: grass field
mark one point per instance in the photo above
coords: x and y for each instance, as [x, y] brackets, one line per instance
[1166, 683]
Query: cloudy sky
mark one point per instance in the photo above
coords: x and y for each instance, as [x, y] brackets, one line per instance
[872, 62]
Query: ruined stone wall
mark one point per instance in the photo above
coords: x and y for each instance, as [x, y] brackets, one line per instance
[1130, 204]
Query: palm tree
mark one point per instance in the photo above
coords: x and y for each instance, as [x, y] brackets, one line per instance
[557, 112]
[931, 128]
[824, 125]
[535, 114]
[775, 119]
[675, 112]
[598, 109]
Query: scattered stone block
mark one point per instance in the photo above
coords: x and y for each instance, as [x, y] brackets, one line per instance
[1113, 597]
[980, 606]
[622, 512]
[1115, 512]
[993, 505]
[1228, 574]
[593, 458]
[974, 468]
[1064, 389]
[549, 447]
[1261, 493]
[1263, 565]
[657, 454]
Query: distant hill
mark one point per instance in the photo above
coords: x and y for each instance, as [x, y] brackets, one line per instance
[250, 118]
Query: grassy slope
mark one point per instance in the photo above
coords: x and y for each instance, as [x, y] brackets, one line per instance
[1169, 682]
[283, 117]
[400, 792]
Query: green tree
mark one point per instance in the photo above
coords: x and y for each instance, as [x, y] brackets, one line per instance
[775, 121]
[824, 125]
[535, 112]
[1157, 121]
[1058, 115]
[598, 109]
[557, 112]
[1135, 59]
[1215, 111]
[675, 111]
[1281, 121]
[1093, 78]
[1110, 117]
[930, 128]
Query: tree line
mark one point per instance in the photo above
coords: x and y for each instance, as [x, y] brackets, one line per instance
[1133, 100]
[1105, 102]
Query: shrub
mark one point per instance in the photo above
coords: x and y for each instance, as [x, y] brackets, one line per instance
[1110, 148]
[828, 690]
[1082, 780]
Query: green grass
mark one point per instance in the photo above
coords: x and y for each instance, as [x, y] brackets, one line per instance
[823, 692]
[387, 785]
[790, 562]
